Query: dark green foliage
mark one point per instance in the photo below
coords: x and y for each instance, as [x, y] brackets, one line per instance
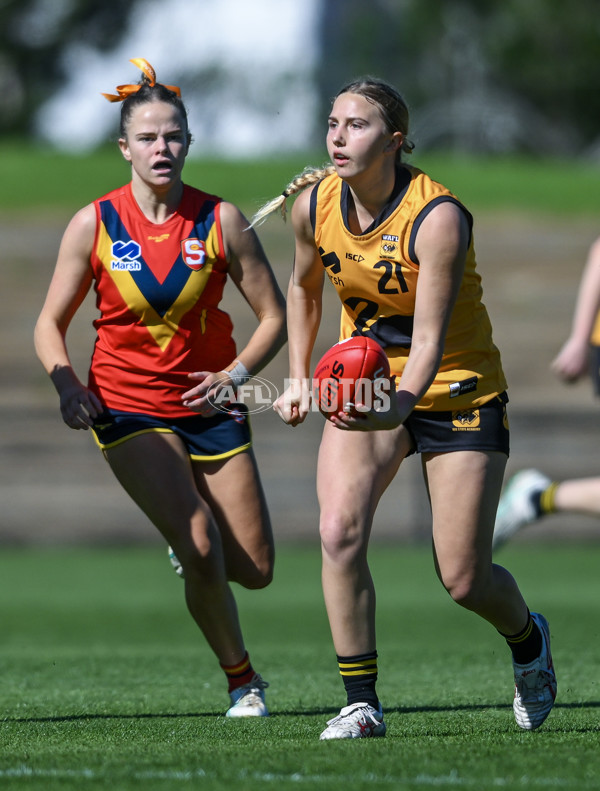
[479, 75]
[33, 38]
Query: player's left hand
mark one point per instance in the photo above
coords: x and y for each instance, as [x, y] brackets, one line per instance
[383, 415]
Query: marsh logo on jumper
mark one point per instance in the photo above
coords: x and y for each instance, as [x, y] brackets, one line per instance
[466, 420]
[389, 246]
[125, 256]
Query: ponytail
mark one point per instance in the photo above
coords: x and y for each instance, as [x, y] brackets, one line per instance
[310, 175]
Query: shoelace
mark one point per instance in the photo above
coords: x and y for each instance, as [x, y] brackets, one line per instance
[363, 710]
[255, 687]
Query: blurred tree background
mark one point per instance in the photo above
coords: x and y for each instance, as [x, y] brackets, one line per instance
[33, 34]
[479, 75]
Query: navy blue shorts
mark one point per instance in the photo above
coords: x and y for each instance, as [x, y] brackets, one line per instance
[206, 438]
[474, 428]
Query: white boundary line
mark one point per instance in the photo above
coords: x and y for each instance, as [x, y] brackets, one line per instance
[424, 780]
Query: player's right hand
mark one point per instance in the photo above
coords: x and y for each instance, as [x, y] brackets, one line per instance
[79, 406]
[572, 361]
[293, 404]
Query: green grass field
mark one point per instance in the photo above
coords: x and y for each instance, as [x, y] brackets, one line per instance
[107, 684]
[38, 178]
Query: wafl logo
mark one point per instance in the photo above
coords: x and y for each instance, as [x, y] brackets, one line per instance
[125, 256]
[389, 245]
[193, 252]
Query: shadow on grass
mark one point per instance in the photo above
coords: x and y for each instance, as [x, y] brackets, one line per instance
[314, 712]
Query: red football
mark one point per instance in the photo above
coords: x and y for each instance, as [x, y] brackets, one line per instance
[345, 374]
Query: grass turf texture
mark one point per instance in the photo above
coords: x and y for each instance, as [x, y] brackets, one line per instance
[107, 684]
[39, 178]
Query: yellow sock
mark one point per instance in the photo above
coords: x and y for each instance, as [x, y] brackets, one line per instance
[547, 497]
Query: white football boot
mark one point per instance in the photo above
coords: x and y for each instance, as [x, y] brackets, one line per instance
[535, 684]
[249, 699]
[357, 721]
[516, 509]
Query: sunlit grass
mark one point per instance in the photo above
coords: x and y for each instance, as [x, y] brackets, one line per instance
[106, 683]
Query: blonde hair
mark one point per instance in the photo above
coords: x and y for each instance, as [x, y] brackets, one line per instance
[310, 175]
[394, 112]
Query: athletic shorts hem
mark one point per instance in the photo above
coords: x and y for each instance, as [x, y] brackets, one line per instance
[219, 456]
[121, 440]
[211, 438]
[483, 428]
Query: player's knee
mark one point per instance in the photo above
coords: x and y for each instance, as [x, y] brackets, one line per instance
[252, 570]
[255, 579]
[199, 555]
[465, 589]
[340, 538]
[254, 576]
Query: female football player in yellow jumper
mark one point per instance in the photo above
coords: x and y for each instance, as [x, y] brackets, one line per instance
[398, 248]
[158, 253]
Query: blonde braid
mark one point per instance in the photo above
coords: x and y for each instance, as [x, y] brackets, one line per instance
[310, 175]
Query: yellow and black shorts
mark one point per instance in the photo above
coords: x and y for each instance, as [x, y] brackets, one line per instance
[482, 427]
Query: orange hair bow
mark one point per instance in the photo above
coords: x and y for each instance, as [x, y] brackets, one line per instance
[123, 91]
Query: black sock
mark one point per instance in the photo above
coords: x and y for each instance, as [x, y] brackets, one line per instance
[359, 674]
[536, 501]
[543, 501]
[526, 645]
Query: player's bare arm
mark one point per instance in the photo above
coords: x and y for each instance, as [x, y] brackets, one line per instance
[70, 283]
[441, 246]
[249, 270]
[304, 305]
[572, 361]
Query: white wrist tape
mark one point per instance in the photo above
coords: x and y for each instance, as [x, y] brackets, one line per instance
[239, 374]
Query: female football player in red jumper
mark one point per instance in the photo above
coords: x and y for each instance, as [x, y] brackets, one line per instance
[158, 253]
